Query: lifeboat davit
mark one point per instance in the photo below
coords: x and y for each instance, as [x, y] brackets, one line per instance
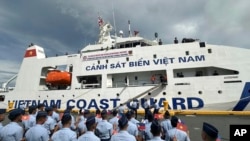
[58, 78]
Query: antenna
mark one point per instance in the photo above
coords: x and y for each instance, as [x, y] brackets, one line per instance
[114, 18]
[129, 30]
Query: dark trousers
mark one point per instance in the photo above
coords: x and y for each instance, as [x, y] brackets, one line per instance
[135, 111]
[146, 113]
[156, 111]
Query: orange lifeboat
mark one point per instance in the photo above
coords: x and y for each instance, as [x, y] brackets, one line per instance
[58, 78]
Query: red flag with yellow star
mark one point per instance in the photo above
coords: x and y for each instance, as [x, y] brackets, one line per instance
[30, 53]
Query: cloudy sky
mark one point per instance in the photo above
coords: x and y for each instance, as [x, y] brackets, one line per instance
[68, 25]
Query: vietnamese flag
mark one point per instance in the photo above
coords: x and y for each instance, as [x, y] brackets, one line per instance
[182, 126]
[25, 117]
[30, 53]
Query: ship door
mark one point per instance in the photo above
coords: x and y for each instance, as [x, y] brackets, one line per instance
[71, 68]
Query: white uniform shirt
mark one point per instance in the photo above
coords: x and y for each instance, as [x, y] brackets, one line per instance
[55, 116]
[123, 136]
[1, 126]
[32, 121]
[64, 134]
[156, 138]
[88, 136]
[166, 125]
[37, 133]
[148, 134]
[82, 127]
[114, 122]
[105, 128]
[50, 124]
[179, 134]
[133, 120]
[146, 104]
[132, 129]
[134, 104]
[121, 109]
[11, 132]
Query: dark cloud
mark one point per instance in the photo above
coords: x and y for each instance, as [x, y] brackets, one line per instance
[67, 26]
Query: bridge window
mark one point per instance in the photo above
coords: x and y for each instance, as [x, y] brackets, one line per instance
[2, 97]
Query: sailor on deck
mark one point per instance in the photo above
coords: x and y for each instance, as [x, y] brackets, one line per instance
[156, 107]
[123, 135]
[135, 106]
[89, 135]
[209, 132]
[38, 132]
[175, 133]
[121, 109]
[65, 134]
[104, 128]
[13, 131]
[2, 117]
[146, 107]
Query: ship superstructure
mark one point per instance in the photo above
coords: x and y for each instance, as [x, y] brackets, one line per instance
[189, 75]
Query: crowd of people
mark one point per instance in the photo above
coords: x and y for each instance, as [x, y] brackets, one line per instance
[45, 124]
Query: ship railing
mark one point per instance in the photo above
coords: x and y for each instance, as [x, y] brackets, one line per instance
[94, 85]
[118, 84]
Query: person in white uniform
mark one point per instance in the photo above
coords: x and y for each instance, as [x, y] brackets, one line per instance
[166, 124]
[175, 133]
[104, 129]
[2, 117]
[38, 132]
[81, 125]
[132, 128]
[50, 122]
[55, 115]
[114, 120]
[89, 135]
[13, 131]
[32, 116]
[123, 134]
[65, 134]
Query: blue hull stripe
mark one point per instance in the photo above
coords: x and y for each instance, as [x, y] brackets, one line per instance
[244, 99]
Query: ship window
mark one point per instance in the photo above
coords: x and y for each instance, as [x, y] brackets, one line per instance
[202, 44]
[200, 92]
[219, 91]
[127, 58]
[236, 72]
[2, 97]
[209, 50]
[187, 52]
[179, 93]
[71, 68]
[107, 61]
[155, 56]
[136, 78]
[98, 61]
[164, 93]
[93, 81]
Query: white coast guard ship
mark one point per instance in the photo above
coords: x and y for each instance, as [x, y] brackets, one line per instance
[189, 75]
